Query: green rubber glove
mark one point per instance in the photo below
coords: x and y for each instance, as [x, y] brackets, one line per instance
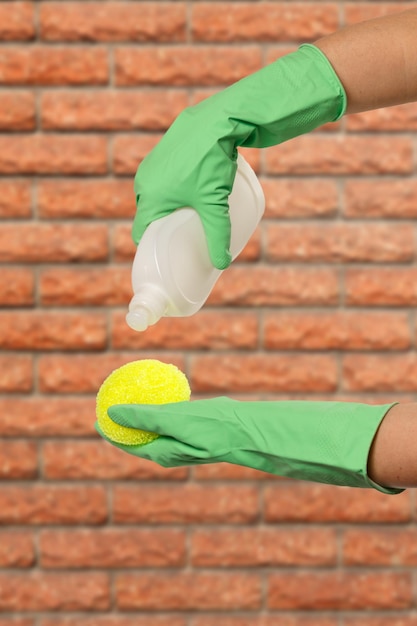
[194, 164]
[325, 442]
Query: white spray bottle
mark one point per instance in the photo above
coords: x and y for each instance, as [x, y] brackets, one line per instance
[172, 274]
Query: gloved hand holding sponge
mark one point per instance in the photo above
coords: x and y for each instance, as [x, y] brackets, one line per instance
[326, 442]
[194, 165]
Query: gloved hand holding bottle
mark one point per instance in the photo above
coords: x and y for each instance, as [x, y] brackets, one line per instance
[364, 66]
[194, 165]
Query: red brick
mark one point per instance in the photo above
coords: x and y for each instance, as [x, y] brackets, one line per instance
[34, 243]
[319, 154]
[392, 620]
[207, 330]
[276, 286]
[129, 150]
[380, 373]
[92, 460]
[74, 198]
[340, 396]
[36, 417]
[340, 591]
[185, 65]
[339, 330]
[309, 502]
[185, 504]
[344, 243]
[395, 118]
[17, 621]
[17, 21]
[395, 198]
[124, 248]
[287, 198]
[77, 110]
[53, 154]
[200, 94]
[111, 548]
[68, 65]
[16, 549]
[43, 504]
[253, 156]
[390, 547]
[254, 373]
[262, 21]
[263, 547]
[17, 286]
[115, 620]
[265, 620]
[113, 21]
[85, 373]
[104, 286]
[18, 459]
[17, 110]
[379, 287]
[276, 52]
[40, 330]
[188, 591]
[15, 198]
[16, 373]
[42, 591]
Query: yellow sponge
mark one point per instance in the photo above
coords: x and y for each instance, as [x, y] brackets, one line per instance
[148, 381]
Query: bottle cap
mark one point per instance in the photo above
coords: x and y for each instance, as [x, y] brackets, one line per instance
[139, 319]
[146, 307]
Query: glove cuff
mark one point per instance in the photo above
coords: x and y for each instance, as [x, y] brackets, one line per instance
[326, 442]
[287, 98]
[359, 424]
[330, 75]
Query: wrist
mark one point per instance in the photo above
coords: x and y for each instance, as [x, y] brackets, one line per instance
[391, 459]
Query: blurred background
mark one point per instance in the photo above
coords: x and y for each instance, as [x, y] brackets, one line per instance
[320, 305]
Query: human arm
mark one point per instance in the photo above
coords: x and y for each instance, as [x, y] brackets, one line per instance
[339, 443]
[393, 455]
[375, 60]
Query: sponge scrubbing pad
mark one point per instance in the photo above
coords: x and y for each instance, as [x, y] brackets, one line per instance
[140, 382]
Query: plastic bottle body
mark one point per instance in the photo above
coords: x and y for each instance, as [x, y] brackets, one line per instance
[172, 274]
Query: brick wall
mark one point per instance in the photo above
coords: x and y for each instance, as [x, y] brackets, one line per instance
[319, 306]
